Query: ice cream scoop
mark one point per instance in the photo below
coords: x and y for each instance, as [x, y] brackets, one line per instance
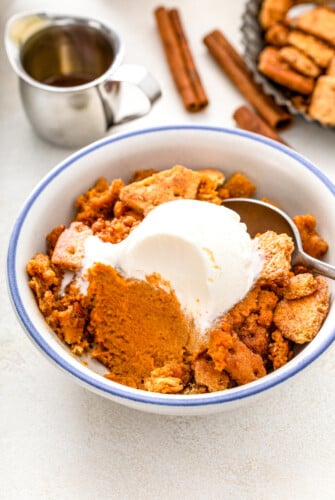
[260, 217]
[200, 250]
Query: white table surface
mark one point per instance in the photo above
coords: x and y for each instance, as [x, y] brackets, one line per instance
[60, 441]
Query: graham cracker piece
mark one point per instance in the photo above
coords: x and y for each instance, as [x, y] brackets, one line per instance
[322, 105]
[273, 11]
[300, 320]
[299, 61]
[319, 22]
[314, 48]
[69, 249]
[277, 35]
[274, 66]
[277, 249]
[175, 183]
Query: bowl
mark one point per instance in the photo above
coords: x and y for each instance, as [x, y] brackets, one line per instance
[279, 173]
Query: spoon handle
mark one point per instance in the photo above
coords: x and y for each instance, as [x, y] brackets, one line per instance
[318, 266]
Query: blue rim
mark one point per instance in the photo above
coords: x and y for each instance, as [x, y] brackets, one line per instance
[116, 389]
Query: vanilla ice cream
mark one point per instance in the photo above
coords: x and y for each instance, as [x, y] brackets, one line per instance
[201, 249]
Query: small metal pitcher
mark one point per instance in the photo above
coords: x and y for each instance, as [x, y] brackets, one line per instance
[70, 72]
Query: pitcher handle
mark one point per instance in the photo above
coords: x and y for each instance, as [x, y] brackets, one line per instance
[138, 76]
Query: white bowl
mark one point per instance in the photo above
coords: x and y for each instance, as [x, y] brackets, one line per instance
[279, 174]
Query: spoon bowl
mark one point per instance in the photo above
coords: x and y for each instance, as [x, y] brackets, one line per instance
[259, 217]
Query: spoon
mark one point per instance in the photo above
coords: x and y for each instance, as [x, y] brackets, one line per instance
[260, 217]
[298, 10]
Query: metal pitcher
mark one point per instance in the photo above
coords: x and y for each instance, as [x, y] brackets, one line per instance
[70, 72]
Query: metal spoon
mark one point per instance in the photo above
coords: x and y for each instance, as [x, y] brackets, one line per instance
[260, 217]
[298, 10]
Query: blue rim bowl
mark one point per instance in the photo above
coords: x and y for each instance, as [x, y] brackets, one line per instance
[278, 172]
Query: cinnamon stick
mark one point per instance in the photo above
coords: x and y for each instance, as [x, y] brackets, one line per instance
[237, 71]
[247, 119]
[180, 59]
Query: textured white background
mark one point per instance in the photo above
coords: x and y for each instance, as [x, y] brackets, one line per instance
[59, 441]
